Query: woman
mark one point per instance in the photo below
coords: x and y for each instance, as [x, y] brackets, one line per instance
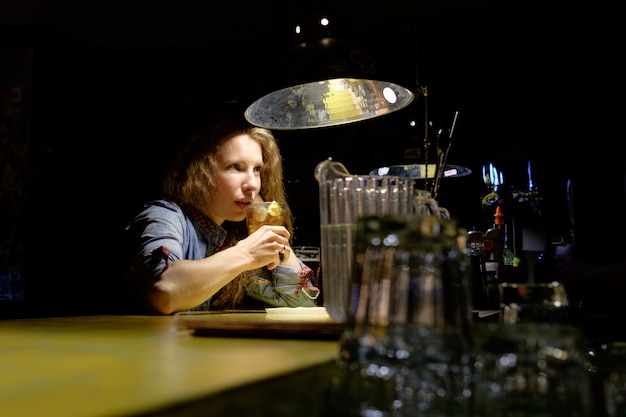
[191, 250]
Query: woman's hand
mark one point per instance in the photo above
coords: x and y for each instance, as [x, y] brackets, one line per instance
[268, 246]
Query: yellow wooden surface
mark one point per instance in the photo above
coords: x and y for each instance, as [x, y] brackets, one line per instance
[123, 365]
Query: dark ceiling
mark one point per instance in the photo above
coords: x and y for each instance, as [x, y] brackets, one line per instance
[453, 42]
[131, 24]
[524, 74]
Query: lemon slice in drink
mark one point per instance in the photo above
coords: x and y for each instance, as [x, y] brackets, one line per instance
[274, 209]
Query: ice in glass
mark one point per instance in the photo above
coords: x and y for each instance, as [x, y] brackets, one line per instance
[268, 212]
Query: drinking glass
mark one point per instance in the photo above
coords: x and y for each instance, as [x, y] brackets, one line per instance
[267, 212]
[613, 378]
[425, 205]
[404, 348]
[310, 255]
[530, 369]
[534, 362]
[533, 302]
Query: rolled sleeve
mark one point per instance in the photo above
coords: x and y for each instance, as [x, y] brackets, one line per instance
[160, 235]
[284, 286]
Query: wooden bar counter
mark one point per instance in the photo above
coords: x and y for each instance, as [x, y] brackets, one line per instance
[97, 366]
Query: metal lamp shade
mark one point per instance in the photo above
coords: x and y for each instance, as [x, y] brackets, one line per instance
[325, 83]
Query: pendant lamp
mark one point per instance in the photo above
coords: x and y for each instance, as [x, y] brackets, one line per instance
[322, 83]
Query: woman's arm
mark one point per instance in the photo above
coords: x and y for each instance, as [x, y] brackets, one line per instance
[171, 273]
[187, 283]
[284, 287]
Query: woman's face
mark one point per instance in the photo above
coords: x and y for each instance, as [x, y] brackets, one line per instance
[239, 162]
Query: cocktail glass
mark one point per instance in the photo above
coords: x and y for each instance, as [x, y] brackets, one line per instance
[268, 212]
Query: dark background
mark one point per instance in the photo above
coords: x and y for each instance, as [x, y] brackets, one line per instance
[113, 82]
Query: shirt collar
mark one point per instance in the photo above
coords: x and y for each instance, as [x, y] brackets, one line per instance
[214, 233]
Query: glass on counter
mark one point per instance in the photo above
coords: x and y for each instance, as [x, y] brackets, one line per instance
[406, 344]
[530, 369]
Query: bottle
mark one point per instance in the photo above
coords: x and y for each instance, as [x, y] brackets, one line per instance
[495, 235]
[508, 257]
[476, 251]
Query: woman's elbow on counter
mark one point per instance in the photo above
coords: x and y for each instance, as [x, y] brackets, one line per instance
[160, 299]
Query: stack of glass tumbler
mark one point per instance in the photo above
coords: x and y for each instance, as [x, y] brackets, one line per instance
[398, 276]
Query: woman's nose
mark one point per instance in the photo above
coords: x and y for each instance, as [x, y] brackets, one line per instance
[252, 182]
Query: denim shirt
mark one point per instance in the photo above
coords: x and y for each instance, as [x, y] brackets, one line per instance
[165, 234]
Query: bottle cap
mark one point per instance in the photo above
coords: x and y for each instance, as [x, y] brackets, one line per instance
[498, 216]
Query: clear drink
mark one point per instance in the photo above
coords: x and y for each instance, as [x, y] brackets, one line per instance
[268, 212]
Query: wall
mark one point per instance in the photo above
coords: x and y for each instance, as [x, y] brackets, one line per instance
[103, 123]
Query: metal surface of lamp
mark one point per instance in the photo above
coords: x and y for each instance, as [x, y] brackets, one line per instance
[325, 83]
